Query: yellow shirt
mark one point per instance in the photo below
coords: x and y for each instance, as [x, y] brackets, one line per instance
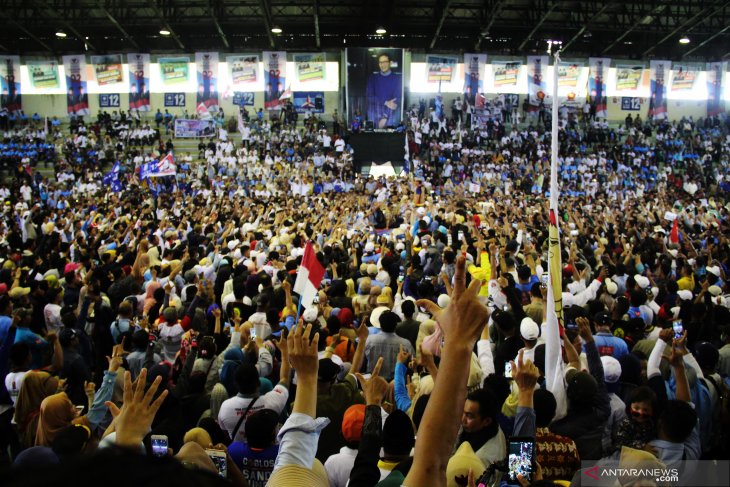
[686, 283]
[483, 272]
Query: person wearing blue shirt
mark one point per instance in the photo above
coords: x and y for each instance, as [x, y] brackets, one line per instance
[383, 93]
[35, 342]
[606, 343]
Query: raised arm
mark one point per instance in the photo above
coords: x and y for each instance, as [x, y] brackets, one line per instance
[462, 321]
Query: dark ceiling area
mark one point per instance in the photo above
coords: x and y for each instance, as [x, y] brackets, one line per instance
[620, 29]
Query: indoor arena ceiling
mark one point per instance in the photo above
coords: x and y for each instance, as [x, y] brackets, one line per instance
[619, 29]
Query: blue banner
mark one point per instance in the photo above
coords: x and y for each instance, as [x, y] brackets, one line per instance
[109, 100]
[312, 101]
[175, 99]
[243, 98]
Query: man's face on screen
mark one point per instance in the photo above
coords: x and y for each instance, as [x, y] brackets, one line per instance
[384, 63]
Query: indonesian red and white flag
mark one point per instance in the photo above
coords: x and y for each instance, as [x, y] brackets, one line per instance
[309, 277]
[674, 234]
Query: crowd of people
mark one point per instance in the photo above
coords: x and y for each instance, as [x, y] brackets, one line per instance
[154, 324]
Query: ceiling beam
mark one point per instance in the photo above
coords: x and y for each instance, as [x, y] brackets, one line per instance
[565, 46]
[706, 41]
[439, 26]
[316, 23]
[538, 25]
[496, 10]
[31, 35]
[47, 8]
[218, 25]
[642, 19]
[266, 14]
[683, 26]
[164, 23]
[113, 20]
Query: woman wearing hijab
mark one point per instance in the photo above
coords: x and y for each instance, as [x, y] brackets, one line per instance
[56, 413]
[232, 359]
[35, 388]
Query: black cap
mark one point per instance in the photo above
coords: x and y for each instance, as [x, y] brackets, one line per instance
[602, 318]
[328, 370]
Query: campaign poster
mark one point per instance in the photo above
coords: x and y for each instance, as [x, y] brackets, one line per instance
[658, 89]
[206, 64]
[77, 92]
[505, 73]
[43, 74]
[597, 73]
[308, 101]
[108, 69]
[10, 75]
[309, 67]
[536, 81]
[568, 74]
[684, 76]
[628, 77]
[474, 65]
[243, 70]
[715, 103]
[139, 81]
[440, 69]
[174, 70]
[375, 85]
[274, 78]
[187, 128]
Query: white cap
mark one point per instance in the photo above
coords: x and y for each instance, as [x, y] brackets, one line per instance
[310, 314]
[611, 287]
[715, 290]
[611, 369]
[370, 247]
[642, 281]
[684, 295]
[715, 270]
[529, 329]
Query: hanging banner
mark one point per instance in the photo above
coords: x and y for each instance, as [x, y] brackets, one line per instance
[206, 64]
[309, 67]
[658, 96]
[506, 73]
[78, 95]
[243, 70]
[43, 74]
[173, 70]
[375, 85]
[10, 74]
[139, 81]
[536, 86]
[628, 76]
[186, 128]
[597, 73]
[441, 69]
[308, 101]
[684, 76]
[274, 78]
[474, 65]
[108, 69]
[715, 103]
[568, 74]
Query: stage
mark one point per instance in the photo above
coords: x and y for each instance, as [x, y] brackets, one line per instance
[375, 149]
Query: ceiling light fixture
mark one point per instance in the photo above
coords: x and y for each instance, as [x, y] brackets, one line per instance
[276, 30]
[164, 32]
[684, 40]
[380, 30]
[60, 33]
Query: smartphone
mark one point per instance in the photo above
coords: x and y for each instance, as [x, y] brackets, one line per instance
[678, 329]
[253, 333]
[220, 461]
[520, 458]
[508, 370]
[460, 236]
[544, 280]
[316, 300]
[159, 445]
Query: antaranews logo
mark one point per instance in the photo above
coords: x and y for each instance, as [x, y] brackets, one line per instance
[598, 472]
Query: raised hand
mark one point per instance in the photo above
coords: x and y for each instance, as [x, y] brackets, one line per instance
[374, 388]
[465, 316]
